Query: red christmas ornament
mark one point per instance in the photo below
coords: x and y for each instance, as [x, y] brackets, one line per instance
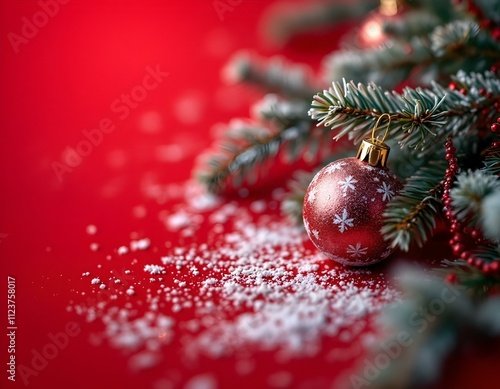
[371, 32]
[344, 204]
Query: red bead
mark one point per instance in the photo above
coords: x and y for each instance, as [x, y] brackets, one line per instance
[495, 127]
[458, 248]
[482, 91]
[451, 278]
[463, 91]
[464, 255]
[478, 263]
[495, 145]
[495, 33]
[475, 234]
[342, 209]
[494, 266]
[452, 85]
[486, 268]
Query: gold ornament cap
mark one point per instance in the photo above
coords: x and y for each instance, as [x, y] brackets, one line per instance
[373, 150]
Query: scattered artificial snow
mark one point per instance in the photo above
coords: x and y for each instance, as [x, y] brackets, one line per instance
[141, 244]
[122, 250]
[91, 229]
[154, 269]
[257, 285]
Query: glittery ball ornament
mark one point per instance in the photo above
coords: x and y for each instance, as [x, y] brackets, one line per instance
[344, 204]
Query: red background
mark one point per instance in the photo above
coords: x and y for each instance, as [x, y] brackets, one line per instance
[64, 80]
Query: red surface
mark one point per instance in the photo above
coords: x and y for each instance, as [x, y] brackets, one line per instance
[66, 79]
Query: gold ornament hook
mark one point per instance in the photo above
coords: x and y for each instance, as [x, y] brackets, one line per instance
[373, 150]
[376, 127]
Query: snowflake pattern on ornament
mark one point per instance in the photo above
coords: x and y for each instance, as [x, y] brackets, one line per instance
[348, 183]
[356, 252]
[367, 166]
[316, 234]
[336, 166]
[312, 195]
[387, 192]
[343, 221]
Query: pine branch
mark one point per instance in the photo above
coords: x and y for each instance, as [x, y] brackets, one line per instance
[470, 277]
[490, 8]
[284, 20]
[419, 117]
[417, 23]
[492, 163]
[284, 112]
[293, 203]
[463, 45]
[460, 44]
[411, 216]
[470, 190]
[245, 147]
[490, 215]
[273, 75]
[428, 335]
[386, 65]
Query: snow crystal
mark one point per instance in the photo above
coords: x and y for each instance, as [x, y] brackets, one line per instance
[154, 269]
[122, 250]
[141, 244]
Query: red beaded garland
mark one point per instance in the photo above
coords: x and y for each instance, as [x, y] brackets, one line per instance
[343, 210]
[462, 236]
